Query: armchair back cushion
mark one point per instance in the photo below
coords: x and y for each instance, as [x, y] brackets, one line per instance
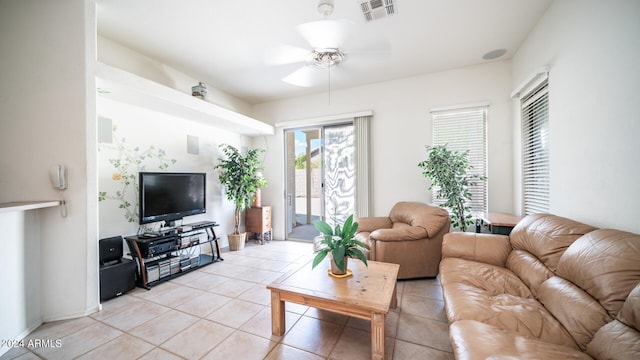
[410, 236]
[430, 218]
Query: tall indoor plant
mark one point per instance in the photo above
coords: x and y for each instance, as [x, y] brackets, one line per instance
[239, 175]
[447, 170]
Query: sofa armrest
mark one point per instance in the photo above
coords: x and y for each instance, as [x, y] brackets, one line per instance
[371, 223]
[400, 234]
[487, 248]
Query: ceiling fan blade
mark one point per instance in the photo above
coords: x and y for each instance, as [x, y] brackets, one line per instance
[326, 34]
[286, 54]
[306, 76]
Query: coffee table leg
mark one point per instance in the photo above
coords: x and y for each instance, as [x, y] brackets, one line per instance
[277, 314]
[377, 336]
[394, 298]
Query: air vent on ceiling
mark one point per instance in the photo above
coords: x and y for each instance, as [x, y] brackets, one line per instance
[376, 9]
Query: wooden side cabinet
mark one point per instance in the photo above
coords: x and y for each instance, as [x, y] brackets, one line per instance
[258, 221]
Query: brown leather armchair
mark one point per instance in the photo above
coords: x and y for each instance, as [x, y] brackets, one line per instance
[410, 236]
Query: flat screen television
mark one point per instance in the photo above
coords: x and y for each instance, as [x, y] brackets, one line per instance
[169, 197]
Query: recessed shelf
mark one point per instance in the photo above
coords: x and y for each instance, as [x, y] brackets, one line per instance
[123, 86]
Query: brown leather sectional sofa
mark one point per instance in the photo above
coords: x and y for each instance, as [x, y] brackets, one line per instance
[553, 289]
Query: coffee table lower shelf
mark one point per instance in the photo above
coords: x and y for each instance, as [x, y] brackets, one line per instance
[368, 294]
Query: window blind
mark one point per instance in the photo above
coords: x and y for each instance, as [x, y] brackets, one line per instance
[463, 129]
[535, 150]
[363, 204]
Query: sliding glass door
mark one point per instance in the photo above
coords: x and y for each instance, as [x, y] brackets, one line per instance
[320, 177]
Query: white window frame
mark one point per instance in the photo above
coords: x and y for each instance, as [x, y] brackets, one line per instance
[461, 128]
[534, 107]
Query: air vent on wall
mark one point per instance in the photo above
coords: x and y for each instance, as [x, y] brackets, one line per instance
[376, 9]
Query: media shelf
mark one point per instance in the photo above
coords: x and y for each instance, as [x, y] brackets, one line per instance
[161, 258]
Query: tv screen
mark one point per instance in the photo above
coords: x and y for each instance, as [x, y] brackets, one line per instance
[171, 196]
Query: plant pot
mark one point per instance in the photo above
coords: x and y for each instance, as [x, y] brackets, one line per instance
[257, 201]
[236, 241]
[334, 268]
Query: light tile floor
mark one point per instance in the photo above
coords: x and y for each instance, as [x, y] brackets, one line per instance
[222, 311]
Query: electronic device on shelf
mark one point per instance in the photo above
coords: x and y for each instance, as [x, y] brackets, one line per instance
[110, 250]
[201, 224]
[168, 197]
[153, 246]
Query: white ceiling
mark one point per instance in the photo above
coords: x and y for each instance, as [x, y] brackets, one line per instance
[227, 43]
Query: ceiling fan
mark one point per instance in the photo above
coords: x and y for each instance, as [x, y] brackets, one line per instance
[331, 44]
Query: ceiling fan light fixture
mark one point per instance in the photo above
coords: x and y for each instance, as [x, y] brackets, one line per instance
[325, 8]
[326, 58]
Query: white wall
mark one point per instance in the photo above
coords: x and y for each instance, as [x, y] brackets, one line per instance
[116, 55]
[401, 127]
[593, 50]
[139, 136]
[20, 259]
[47, 107]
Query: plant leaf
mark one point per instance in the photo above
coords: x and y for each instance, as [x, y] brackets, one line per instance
[319, 257]
[323, 227]
[338, 257]
[360, 256]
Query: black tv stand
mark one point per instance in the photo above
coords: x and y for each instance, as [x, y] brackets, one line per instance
[163, 257]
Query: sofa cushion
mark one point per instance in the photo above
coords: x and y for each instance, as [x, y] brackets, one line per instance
[475, 340]
[490, 278]
[528, 268]
[486, 248]
[620, 339]
[547, 236]
[569, 304]
[494, 295]
[606, 264]
[615, 341]
[630, 313]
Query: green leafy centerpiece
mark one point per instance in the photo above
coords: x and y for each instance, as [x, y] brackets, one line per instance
[340, 243]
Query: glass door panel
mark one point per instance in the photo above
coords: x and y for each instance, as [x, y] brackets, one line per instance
[339, 172]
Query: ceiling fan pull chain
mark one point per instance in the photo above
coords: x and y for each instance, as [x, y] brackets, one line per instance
[329, 68]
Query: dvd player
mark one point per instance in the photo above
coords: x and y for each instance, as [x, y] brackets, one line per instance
[202, 224]
[151, 247]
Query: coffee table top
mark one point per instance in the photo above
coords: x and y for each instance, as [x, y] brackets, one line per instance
[369, 288]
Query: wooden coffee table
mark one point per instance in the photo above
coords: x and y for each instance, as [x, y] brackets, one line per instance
[368, 294]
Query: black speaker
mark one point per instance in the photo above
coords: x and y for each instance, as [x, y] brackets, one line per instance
[117, 279]
[110, 250]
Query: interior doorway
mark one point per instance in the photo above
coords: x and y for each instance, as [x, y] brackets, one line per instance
[320, 177]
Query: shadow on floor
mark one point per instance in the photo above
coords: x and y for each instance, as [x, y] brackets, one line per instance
[303, 231]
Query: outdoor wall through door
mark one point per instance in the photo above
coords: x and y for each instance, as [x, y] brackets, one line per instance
[303, 181]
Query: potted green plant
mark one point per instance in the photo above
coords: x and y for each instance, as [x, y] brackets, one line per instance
[447, 170]
[340, 243]
[239, 175]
